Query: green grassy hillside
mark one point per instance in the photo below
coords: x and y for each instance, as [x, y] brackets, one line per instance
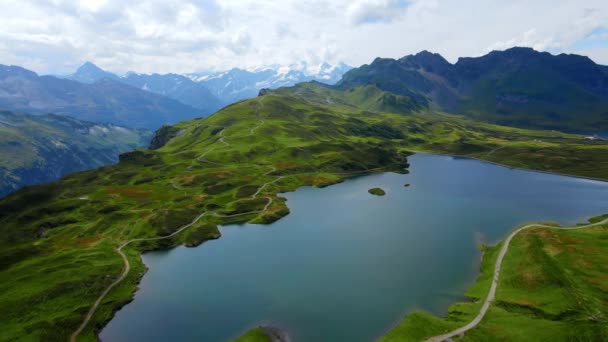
[36, 149]
[431, 131]
[553, 287]
[263, 334]
[58, 240]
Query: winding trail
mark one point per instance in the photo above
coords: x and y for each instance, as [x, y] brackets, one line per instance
[253, 129]
[202, 157]
[123, 275]
[492, 293]
[496, 149]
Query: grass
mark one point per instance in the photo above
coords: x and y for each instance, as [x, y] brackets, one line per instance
[57, 240]
[377, 191]
[254, 335]
[420, 325]
[553, 287]
[41, 148]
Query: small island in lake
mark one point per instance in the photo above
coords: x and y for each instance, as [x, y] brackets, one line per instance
[263, 334]
[377, 191]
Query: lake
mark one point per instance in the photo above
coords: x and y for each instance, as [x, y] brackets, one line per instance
[346, 265]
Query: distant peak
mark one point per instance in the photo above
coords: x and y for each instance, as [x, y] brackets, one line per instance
[426, 59]
[525, 49]
[382, 59]
[426, 53]
[516, 51]
[89, 66]
[90, 73]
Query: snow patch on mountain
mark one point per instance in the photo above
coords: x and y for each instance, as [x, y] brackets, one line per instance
[237, 84]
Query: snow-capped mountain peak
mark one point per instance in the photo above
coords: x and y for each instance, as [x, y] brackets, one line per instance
[237, 84]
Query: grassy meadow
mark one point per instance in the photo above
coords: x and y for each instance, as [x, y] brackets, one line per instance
[553, 286]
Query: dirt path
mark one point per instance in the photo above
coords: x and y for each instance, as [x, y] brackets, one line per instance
[225, 144]
[252, 130]
[492, 293]
[125, 272]
[496, 149]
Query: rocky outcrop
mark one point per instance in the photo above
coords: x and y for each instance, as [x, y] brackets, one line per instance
[163, 135]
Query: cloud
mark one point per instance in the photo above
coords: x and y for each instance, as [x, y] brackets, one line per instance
[283, 31]
[375, 11]
[192, 35]
[530, 38]
[241, 43]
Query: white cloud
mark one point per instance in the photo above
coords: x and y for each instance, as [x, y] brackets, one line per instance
[241, 43]
[529, 38]
[191, 35]
[374, 11]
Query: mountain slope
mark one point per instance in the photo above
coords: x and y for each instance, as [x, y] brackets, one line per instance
[91, 73]
[174, 86]
[177, 87]
[36, 149]
[364, 97]
[105, 101]
[518, 87]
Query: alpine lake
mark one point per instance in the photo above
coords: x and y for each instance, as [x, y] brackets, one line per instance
[346, 265]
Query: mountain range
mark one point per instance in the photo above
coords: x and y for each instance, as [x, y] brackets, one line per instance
[517, 87]
[42, 148]
[211, 91]
[70, 250]
[238, 84]
[104, 101]
[174, 86]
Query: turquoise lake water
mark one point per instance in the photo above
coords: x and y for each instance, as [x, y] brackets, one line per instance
[346, 265]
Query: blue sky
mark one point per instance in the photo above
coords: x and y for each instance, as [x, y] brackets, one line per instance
[597, 39]
[55, 36]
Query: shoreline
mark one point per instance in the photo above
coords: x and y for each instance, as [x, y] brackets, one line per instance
[605, 180]
[491, 296]
[278, 333]
[343, 177]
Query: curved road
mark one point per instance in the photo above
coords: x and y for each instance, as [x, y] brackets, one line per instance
[123, 275]
[492, 293]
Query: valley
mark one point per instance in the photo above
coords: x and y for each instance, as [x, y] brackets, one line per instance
[230, 166]
[42, 148]
[71, 250]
